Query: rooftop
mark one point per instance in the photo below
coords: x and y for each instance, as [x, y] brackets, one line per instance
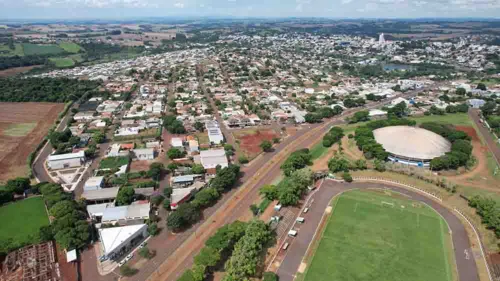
[412, 142]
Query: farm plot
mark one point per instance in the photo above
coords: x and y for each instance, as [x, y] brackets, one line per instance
[24, 218]
[36, 49]
[373, 236]
[22, 128]
[250, 140]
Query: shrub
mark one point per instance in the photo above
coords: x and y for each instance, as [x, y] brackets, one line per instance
[126, 270]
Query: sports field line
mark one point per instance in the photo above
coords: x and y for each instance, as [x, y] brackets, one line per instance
[444, 250]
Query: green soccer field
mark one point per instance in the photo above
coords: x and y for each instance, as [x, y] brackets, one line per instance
[376, 237]
[22, 220]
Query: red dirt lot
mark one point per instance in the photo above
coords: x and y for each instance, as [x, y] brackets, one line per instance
[14, 151]
[250, 140]
[469, 131]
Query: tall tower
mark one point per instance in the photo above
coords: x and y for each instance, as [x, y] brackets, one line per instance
[381, 39]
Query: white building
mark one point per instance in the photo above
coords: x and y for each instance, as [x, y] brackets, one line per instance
[144, 154]
[210, 159]
[176, 143]
[93, 183]
[214, 133]
[117, 240]
[68, 160]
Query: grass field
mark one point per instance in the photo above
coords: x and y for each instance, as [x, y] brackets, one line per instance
[376, 237]
[457, 119]
[19, 129]
[5, 51]
[318, 150]
[113, 162]
[62, 62]
[35, 49]
[70, 47]
[22, 220]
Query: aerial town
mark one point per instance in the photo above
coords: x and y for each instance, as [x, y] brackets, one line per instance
[265, 152]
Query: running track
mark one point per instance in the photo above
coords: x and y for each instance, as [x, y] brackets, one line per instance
[467, 270]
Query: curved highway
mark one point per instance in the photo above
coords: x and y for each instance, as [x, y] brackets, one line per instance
[466, 266]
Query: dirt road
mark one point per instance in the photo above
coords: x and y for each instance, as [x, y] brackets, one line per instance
[467, 270]
[488, 138]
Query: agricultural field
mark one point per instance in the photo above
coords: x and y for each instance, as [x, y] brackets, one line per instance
[17, 215]
[5, 51]
[373, 235]
[250, 139]
[70, 47]
[37, 49]
[22, 128]
[62, 62]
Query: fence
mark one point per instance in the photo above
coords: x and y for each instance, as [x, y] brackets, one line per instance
[435, 196]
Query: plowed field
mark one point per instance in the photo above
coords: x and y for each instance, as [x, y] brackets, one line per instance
[15, 149]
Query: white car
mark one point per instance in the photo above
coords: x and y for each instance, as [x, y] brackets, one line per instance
[122, 263]
[143, 244]
[129, 257]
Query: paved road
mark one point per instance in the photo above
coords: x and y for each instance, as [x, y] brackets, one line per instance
[467, 269]
[38, 169]
[488, 138]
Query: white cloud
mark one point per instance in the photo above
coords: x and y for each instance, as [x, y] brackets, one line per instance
[179, 5]
[346, 1]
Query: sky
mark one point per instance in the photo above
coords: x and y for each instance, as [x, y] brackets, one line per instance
[123, 9]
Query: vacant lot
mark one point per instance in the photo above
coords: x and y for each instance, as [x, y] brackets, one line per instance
[35, 49]
[457, 119]
[22, 128]
[377, 237]
[22, 220]
[250, 140]
[113, 162]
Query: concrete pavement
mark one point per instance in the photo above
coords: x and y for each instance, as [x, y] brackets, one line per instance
[294, 255]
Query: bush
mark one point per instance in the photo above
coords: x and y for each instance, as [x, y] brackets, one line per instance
[153, 229]
[146, 253]
[347, 177]
[126, 270]
[270, 276]
[242, 160]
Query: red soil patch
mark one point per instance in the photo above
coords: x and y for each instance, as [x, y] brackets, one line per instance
[137, 166]
[14, 151]
[250, 143]
[16, 70]
[469, 131]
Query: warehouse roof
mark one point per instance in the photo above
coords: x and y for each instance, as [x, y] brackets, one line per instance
[412, 142]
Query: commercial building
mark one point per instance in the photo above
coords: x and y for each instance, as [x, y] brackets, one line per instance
[119, 240]
[210, 159]
[68, 160]
[214, 133]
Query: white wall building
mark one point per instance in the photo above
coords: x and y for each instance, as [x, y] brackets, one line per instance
[68, 160]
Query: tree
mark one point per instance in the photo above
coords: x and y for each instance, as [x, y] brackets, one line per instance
[156, 200]
[199, 126]
[197, 169]
[297, 160]
[266, 145]
[208, 257]
[399, 110]
[18, 185]
[276, 140]
[185, 215]
[125, 196]
[99, 137]
[153, 229]
[312, 118]
[173, 125]
[337, 164]
[45, 233]
[347, 177]
[360, 116]
[360, 164]
[461, 92]
[379, 165]
[206, 197]
[269, 276]
[175, 153]
[481, 86]
[155, 170]
[146, 253]
[269, 192]
[488, 108]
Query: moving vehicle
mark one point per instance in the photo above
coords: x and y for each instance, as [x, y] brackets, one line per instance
[292, 233]
[300, 220]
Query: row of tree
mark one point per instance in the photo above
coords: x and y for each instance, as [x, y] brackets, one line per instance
[489, 212]
[334, 135]
[44, 89]
[461, 147]
[323, 112]
[291, 189]
[190, 213]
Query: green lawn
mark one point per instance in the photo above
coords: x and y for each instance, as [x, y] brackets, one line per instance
[113, 162]
[457, 119]
[19, 130]
[318, 150]
[22, 220]
[70, 47]
[376, 237]
[62, 62]
[37, 49]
